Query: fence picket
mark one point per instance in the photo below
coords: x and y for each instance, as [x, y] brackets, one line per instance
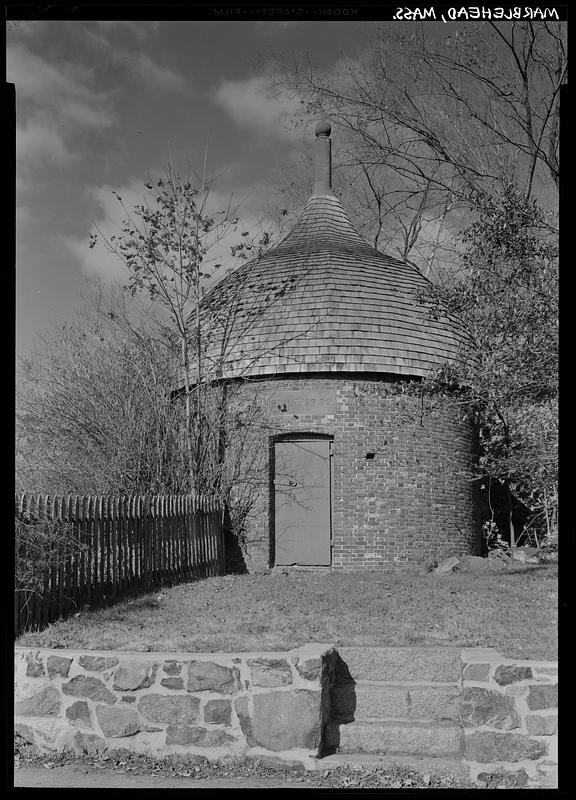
[116, 546]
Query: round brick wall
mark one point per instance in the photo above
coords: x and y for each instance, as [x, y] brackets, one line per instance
[413, 502]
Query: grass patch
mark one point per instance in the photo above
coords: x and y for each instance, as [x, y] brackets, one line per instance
[513, 610]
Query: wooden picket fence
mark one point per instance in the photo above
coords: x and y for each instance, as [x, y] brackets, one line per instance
[115, 547]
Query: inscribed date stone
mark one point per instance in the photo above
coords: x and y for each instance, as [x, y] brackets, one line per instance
[270, 672]
[86, 686]
[175, 709]
[205, 675]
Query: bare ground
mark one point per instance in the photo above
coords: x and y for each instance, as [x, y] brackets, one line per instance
[512, 609]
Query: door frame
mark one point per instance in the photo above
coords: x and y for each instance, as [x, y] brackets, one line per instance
[291, 437]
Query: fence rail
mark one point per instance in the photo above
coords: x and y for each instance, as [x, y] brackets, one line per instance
[106, 548]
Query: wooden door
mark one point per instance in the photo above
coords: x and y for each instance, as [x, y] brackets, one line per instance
[302, 502]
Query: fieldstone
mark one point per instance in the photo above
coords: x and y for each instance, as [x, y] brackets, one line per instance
[447, 565]
[310, 668]
[503, 780]
[175, 709]
[48, 731]
[118, 721]
[81, 742]
[182, 734]
[472, 564]
[128, 698]
[172, 668]
[486, 747]
[58, 665]
[32, 700]
[542, 726]
[86, 686]
[482, 707]
[132, 675]
[281, 720]
[25, 731]
[172, 683]
[476, 672]
[270, 672]
[506, 674]
[218, 712]
[205, 675]
[543, 696]
[34, 665]
[96, 663]
[79, 714]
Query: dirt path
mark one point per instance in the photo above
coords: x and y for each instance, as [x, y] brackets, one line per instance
[75, 777]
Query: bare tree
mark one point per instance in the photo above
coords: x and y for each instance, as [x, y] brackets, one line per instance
[426, 119]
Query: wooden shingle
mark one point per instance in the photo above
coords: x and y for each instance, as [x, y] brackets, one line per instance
[324, 300]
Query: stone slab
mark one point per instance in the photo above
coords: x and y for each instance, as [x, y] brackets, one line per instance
[409, 703]
[397, 738]
[402, 663]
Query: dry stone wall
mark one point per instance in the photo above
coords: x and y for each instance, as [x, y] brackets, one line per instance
[210, 704]
[510, 720]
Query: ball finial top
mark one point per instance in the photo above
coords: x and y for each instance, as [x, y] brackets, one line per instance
[323, 128]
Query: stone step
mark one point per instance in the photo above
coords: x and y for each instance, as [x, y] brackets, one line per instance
[410, 701]
[424, 765]
[402, 663]
[399, 738]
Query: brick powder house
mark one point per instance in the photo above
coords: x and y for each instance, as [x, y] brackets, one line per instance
[362, 472]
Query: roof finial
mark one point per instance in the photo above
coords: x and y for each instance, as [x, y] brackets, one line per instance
[323, 128]
[322, 158]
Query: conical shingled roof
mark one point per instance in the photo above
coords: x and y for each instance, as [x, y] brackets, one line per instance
[324, 300]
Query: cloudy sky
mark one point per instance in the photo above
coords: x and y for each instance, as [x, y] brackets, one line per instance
[102, 104]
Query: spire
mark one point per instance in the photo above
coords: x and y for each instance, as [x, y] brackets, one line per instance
[323, 159]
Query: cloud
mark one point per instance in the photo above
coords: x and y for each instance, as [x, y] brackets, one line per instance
[53, 103]
[36, 142]
[139, 29]
[162, 77]
[35, 78]
[108, 217]
[109, 214]
[251, 106]
[96, 262]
